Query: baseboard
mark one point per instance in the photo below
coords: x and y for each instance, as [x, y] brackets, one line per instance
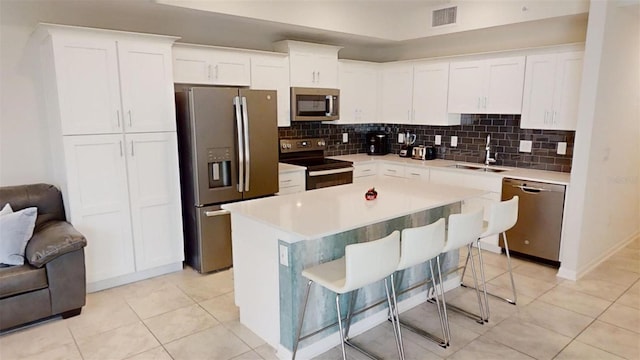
[361, 326]
[133, 277]
[574, 275]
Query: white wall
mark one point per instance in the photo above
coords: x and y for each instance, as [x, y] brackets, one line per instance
[604, 201]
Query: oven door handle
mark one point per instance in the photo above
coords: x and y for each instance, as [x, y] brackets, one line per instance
[330, 172]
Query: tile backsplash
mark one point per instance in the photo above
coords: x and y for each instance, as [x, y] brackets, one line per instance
[504, 130]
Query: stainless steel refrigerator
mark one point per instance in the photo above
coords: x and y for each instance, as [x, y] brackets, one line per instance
[228, 147]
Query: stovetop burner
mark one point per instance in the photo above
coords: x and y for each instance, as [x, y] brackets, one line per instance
[309, 152]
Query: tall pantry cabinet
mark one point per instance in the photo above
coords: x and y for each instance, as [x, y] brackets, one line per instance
[109, 97]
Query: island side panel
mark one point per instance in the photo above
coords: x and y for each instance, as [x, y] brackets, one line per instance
[255, 276]
[321, 307]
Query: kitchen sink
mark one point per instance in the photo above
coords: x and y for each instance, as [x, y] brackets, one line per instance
[477, 168]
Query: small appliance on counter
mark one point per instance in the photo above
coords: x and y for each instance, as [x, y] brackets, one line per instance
[431, 153]
[377, 143]
[406, 150]
[424, 153]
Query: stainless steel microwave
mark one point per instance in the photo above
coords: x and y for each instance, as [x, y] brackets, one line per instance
[315, 104]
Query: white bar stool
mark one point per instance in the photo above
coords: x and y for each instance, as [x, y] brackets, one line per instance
[363, 264]
[419, 245]
[463, 230]
[502, 217]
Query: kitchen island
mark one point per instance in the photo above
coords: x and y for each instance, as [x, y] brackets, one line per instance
[275, 238]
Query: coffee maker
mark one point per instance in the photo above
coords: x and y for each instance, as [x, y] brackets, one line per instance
[377, 143]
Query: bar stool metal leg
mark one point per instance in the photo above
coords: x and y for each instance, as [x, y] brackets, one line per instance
[393, 308]
[435, 293]
[342, 339]
[475, 283]
[513, 284]
[302, 312]
[484, 286]
[444, 303]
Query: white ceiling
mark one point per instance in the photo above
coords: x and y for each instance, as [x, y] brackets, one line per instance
[367, 30]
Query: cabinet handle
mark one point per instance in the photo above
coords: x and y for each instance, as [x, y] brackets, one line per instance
[118, 117]
[478, 103]
[314, 77]
[366, 170]
[553, 119]
[318, 76]
[391, 170]
[408, 115]
[285, 181]
[129, 118]
[121, 148]
[546, 116]
[209, 71]
[485, 103]
[216, 72]
[413, 114]
[132, 154]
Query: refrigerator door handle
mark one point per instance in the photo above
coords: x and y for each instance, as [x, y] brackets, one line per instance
[247, 157]
[236, 104]
[216, 213]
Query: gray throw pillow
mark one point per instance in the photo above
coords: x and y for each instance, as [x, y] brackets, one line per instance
[15, 231]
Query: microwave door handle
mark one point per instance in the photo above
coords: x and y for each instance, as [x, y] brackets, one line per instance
[236, 105]
[330, 100]
[247, 157]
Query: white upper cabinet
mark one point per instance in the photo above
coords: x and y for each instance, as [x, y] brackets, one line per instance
[489, 86]
[88, 90]
[358, 92]
[193, 64]
[106, 84]
[146, 83]
[430, 87]
[271, 72]
[311, 65]
[551, 91]
[396, 87]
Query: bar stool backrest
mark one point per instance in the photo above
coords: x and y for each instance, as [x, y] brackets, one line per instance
[463, 229]
[419, 244]
[370, 261]
[502, 216]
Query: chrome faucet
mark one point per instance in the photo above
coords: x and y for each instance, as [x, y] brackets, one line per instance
[488, 159]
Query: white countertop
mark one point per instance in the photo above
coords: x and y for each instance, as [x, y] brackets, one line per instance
[318, 213]
[512, 172]
[287, 168]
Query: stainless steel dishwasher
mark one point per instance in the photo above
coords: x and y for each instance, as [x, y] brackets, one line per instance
[537, 232]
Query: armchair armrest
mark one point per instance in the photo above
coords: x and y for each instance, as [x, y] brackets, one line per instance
[51, 240]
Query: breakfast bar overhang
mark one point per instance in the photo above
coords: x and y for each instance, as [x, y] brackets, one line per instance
[275, 238]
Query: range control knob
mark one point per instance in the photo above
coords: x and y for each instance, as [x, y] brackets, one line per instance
[288, 146]
[283, 145]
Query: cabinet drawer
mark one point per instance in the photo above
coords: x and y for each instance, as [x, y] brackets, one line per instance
[291, 182]
[392, 170]
[457, 178]
[416, 173]
[362, 170]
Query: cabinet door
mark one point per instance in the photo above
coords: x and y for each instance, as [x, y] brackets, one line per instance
[152, 162]
[309, 69]
[504, 84]
[358, 93]
[87, 84]
[396, 92]
[567, 90]
[430, 87]
[466, 87]
[98, 203]
[230, 68]
[191, 66]
[393, 170]
[537, 102]
[272, 73]
[302, 69]
[147, 86]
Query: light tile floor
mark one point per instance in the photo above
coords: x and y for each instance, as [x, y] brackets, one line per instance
[186, 315]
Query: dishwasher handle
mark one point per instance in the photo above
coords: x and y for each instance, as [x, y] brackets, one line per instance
[529, 189]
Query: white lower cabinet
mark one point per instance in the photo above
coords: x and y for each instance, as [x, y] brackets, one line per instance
[362, 172]
[124, 196]
[394, 170]
[292, 182]
[419, 173]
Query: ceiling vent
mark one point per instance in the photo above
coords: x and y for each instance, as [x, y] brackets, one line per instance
[444, 16]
